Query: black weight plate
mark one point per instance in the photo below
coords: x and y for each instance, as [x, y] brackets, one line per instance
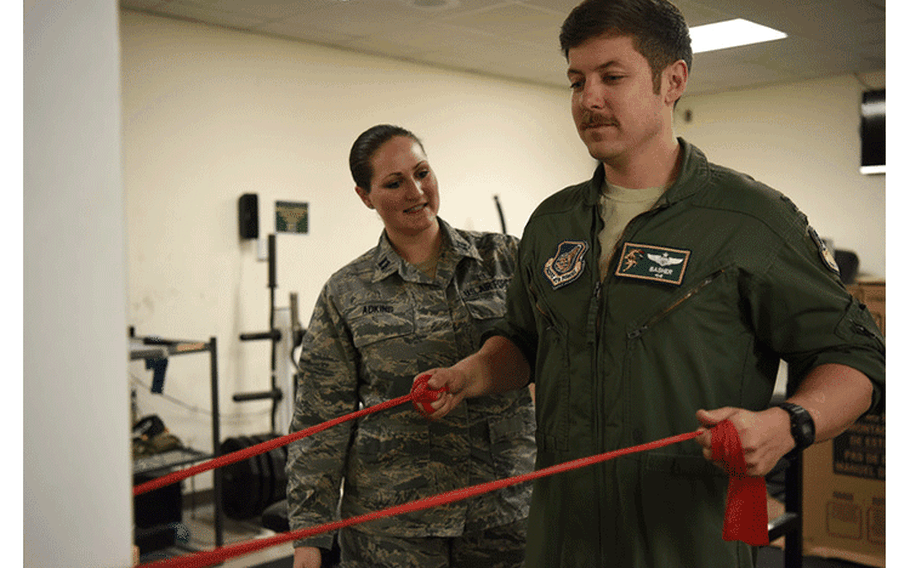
[267, 476]
[240, 482]
[235, 478]
[279, 461]
[255, 488]
[274, 481]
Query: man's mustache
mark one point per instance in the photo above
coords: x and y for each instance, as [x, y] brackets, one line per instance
[589, 120]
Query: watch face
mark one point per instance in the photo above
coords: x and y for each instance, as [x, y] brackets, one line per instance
[805, 430]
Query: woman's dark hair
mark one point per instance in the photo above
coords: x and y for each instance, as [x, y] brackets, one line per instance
[657, 27]
[366, 146]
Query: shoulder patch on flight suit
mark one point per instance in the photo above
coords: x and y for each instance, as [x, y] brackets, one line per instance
[567, 264]
[647, 262]
[823, 251]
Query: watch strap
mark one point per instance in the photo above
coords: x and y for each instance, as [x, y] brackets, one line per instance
[802, 426]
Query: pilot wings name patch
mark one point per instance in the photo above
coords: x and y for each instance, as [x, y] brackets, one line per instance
[647, 262]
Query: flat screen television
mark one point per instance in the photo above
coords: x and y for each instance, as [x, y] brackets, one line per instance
[872, 132]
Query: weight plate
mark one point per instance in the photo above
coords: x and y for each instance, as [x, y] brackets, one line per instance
[266, 476]
[240, 487]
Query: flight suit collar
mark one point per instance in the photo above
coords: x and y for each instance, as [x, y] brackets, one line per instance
[693, 173]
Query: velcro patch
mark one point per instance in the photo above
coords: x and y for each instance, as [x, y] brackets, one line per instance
[647, 262]
[567, 264]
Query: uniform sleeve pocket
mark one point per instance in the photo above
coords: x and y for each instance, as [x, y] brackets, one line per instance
[858, 322]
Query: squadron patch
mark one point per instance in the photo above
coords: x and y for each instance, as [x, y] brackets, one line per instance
[647, 262]
[823, 251]
[567, 264]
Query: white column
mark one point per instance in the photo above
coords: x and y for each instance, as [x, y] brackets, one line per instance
[76, 465]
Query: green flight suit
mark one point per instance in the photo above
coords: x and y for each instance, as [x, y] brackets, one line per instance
[706, 293]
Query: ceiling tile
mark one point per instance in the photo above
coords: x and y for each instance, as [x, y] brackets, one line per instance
[562, 7]
[209, 15]
[262, 9]
[456, 7]
[816, 60]
[516, 22]
[142, 4]
[822, 19]
[697, 14]
[359, 18]
[310, 34]
[519, 38]
[418, 42]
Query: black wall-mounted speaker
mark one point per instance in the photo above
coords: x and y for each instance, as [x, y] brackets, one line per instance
[872, 130]
[248, 207]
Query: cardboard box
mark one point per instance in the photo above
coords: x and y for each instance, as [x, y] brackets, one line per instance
[844, 495]
[844, 479]
[871, 293]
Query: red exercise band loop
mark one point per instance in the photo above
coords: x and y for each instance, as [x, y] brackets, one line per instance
[218, 555]
[746, 517]
[419, 393]
[424, 395]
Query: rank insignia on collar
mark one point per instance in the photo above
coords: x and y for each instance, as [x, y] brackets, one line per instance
[567, 264]
[647, 262]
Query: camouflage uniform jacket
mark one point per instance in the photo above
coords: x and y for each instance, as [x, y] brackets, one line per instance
[377, 323]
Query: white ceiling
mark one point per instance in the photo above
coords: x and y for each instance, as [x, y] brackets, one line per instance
[517, 39]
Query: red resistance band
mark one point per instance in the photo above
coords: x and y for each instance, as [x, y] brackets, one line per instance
[420, 395]
[744, 516]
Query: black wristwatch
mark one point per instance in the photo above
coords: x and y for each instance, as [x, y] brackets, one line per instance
[802, 427]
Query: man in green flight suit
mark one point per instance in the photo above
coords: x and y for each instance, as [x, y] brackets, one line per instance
[657, 297]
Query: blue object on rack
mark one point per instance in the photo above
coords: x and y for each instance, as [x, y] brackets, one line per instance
[158, 367]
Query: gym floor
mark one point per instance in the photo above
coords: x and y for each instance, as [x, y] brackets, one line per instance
[197, 533]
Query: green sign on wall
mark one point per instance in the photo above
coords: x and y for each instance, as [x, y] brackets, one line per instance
[292, 217]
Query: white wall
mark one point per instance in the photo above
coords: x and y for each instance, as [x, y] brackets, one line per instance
[803, 140]
[210, 114]
[77, 483]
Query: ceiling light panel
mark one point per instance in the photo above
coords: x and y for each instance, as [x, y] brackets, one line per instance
[731, 33]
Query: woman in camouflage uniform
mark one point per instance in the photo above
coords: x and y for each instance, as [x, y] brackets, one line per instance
[422, 298]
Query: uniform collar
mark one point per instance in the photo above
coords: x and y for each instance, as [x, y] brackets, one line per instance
[454, 246]
[693, 173]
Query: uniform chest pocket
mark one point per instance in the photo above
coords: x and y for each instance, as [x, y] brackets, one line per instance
[486, 299]
[485, 310]
[708, 308]
[374, 324]
[490, 306]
